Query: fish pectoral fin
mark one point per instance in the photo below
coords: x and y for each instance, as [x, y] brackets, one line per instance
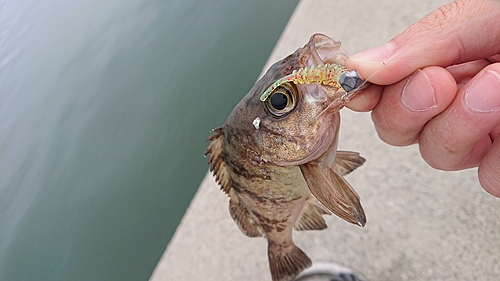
[334, 192]
[310, 217]
[242, 217]
[216, 160]
[347, 161]
[286, 262]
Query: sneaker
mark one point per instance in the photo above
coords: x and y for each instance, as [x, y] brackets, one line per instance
[328, 271]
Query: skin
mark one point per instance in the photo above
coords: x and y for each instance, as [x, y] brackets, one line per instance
[271, 161]
[437, 84]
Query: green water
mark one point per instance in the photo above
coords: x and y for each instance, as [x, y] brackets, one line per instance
[104, 110]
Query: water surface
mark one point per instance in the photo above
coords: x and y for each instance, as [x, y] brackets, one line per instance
[104, 110]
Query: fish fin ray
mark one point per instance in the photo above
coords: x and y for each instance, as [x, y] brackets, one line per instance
[286, 263]
[334, 192]
[222, 174]
[347, 161]
[350, 195]
[242, 217]
[217, 162]
[311, 217]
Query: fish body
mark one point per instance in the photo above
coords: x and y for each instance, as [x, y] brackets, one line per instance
[276, 158]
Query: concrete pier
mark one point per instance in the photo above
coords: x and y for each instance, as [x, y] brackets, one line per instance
[422, 224]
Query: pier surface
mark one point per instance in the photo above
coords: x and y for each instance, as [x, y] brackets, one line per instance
[422, 224]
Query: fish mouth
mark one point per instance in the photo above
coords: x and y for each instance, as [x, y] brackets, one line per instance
[321, 50]
[323, 100]
[324, 49]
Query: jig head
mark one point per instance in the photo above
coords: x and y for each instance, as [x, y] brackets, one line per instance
[327, 74]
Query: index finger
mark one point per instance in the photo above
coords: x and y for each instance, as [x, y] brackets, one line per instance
[455, 33]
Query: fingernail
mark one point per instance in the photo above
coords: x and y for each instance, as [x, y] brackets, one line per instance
[418, 93]
[483, 95]
[376, 54]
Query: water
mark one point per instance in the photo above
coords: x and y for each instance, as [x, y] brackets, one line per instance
[104, 110]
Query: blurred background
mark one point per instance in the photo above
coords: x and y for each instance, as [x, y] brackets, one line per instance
[104, 111]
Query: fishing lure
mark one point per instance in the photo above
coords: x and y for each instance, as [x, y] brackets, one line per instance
[327, 74]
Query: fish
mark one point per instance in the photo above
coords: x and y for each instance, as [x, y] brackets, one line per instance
[276, 154]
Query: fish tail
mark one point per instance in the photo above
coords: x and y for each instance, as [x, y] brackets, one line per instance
[286, 262]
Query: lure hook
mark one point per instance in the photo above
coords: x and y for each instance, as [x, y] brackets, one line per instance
[327, 74]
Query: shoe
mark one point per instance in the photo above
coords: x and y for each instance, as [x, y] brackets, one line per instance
[329, 271]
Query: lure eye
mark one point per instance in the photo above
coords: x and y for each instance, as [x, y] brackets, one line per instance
[350, 80]
[282, 100]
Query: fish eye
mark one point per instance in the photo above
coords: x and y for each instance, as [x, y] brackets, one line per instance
[282, 100]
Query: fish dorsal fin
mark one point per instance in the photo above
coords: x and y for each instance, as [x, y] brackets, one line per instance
[334, 192]
[216, 159]
[242, 217]
[222, 174]
[347, 161]
[310, 217]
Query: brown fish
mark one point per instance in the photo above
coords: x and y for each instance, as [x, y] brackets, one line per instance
[278, 162]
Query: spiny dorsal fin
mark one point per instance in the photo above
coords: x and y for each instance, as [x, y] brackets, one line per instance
[347, 161]
[222, 175]
[216, 159]
[286, 263]
[310, 217]
[334, 192]
[242, 217]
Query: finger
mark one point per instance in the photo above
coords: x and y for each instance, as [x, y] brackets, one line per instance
[447, 36]
[488, 174]
[407, 106]
[495, 133]
[366, 100]
[459, 137]
[465, 71]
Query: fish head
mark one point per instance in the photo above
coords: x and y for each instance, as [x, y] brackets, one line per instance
[297, 123]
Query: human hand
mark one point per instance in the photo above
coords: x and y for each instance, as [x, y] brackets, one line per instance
[438, 85]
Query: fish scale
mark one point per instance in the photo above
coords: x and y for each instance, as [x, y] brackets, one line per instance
[276, 155]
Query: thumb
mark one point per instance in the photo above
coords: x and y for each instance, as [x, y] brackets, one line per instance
[458, 32]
